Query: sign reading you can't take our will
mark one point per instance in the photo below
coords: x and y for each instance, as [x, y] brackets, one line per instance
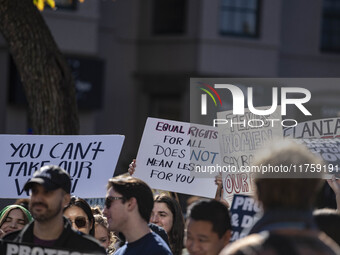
[90, 161]
[170, 152]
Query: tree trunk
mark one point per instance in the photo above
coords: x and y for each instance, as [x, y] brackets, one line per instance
[44, 72]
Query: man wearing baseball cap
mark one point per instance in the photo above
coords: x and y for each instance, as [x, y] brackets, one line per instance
[50, 193]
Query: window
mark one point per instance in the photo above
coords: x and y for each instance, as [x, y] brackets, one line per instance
[330, 28]
[165, 106]
[240, 18]
[169, 17]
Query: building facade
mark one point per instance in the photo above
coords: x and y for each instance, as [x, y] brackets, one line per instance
[134, 58]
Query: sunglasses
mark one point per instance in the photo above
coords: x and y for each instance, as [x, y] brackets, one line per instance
[80, 221]
[108, 201]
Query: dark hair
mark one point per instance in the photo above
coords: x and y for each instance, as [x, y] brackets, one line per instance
[212, 211]
[24, 202]
[130, 187]
[82, 204]
[176, 234]
[328, 221]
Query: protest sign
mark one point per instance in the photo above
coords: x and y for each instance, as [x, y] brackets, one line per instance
[321, 128]
[328, 150]
[13, 248]
[243, 211]
[90, 161]
[241, 136]
[170, 152]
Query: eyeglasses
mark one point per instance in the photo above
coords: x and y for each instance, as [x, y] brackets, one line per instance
[80, 221]
[109, 200]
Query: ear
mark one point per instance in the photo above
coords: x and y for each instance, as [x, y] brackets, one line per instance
[131, 204]
[66, 199]
[226, 237]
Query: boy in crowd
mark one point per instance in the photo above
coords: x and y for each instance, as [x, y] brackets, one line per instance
[208, 228]
[128, 207]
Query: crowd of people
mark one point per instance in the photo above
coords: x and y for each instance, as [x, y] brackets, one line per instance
[134, 221]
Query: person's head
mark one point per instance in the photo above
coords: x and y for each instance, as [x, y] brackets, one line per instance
[328, 221]
[14, 217]
[102, 233]
[96, 210]
[80, 214]
[24, 202]
[286, 193]
[167, 214]
[50, 189]
[127, 197]
[208, 227]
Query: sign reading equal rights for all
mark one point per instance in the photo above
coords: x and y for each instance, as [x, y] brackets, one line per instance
[174, 155]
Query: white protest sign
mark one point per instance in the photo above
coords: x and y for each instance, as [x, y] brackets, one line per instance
[321, 128]
[90, 161]
[240, 138]
[328, 150]
[169, 153]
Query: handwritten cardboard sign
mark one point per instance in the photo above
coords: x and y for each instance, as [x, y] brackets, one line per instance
[171, 151]
[321, 128]
[239, 143]
[243, 213]
[90, 161]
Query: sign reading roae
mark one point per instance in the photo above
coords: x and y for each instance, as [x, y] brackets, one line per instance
[90, 161]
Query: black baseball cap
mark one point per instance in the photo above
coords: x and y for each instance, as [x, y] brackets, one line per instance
[51, 177]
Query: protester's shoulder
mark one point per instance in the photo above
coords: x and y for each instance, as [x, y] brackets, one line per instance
[19, 234]
[85, 242]
[329, 242]
[267, 242]
[11, 236]
[159, 231]
[160, 245]
[237, 247]
[121, 250]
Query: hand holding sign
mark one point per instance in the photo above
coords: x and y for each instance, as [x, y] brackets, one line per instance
[334, 183]
[219, 190]
[132, 167]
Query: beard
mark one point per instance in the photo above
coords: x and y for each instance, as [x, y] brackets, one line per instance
[47, 214]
